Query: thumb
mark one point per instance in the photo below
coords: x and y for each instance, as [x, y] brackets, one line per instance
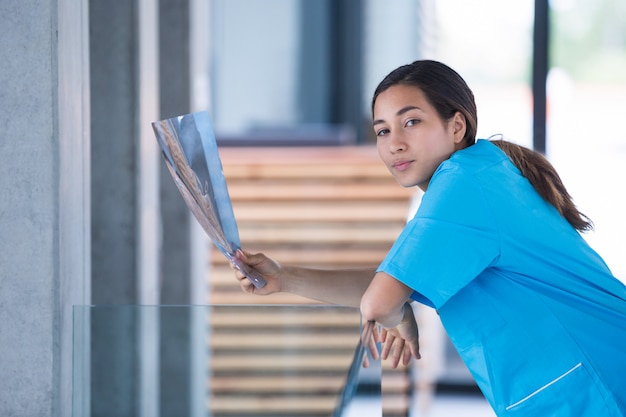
[250, 258]
[241, 255]
[247, 258]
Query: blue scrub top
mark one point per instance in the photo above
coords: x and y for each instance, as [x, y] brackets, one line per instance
[534, 312]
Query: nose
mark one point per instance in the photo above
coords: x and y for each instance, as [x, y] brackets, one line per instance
[397, 143]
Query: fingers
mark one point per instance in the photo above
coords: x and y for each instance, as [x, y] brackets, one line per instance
[393, 347]
[239, 255]
[384, 335]
[369, 337]
[373, 348]
[257, 268]
[388, 345]
[366, 361]
[251, 259]
[242, 261]
[398, 350]
[244, 283]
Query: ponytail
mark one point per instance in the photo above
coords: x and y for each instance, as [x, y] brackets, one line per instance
[544, 178]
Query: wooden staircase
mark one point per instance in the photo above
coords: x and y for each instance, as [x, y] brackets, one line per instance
[324, 207]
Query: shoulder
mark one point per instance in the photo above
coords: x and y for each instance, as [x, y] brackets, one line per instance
[457, 191]
[478, 157]
[478, 179]
[483, 164]
[467, 164]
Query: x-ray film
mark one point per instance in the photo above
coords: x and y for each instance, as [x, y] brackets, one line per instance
[190, 152]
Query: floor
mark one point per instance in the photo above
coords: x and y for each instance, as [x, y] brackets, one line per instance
[444, 405]
[456, 405]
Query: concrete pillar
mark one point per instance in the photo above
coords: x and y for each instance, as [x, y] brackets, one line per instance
[175, 88]
[175, 323]
[44, 207]
[184, 251]
[200, 97]
[125, 207]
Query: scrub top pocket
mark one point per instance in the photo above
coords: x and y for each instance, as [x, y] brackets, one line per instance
[555, 398]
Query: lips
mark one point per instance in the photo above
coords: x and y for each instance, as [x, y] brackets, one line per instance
[401, 165]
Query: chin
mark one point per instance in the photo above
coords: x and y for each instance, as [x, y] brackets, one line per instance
[405, 183]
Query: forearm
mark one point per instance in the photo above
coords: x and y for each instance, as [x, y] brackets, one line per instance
[342, 287]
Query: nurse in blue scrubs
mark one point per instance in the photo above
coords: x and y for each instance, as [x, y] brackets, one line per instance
[495, 248]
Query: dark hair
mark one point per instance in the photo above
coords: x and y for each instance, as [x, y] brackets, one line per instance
[448, 93]
[443, 87]
[546, 181]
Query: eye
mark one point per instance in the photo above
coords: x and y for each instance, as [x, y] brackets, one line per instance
[382, 132]
[411, 122]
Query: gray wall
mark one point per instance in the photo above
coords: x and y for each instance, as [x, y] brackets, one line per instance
[44, 209]
[142, 232]
[175, 268]
[125, 207]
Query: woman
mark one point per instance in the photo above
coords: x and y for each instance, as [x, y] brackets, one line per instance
[495, 248]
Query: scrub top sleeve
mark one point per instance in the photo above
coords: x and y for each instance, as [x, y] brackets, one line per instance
[449, 242]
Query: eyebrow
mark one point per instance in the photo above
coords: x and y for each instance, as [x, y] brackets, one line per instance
[398, 113]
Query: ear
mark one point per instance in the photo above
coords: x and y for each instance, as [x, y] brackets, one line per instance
[458, 125]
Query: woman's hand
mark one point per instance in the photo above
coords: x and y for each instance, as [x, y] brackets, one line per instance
[370, 336]
[402, 341]
[268, 268]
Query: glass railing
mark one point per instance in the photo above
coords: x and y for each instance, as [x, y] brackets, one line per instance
[222, 360]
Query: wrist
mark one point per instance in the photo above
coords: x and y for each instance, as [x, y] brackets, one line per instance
[387, 318]
[282, 274]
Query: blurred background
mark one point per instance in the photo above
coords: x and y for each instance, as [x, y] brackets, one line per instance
[300, 66]
[90, 216]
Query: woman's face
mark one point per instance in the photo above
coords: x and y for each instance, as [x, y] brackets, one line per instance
[411, 138]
